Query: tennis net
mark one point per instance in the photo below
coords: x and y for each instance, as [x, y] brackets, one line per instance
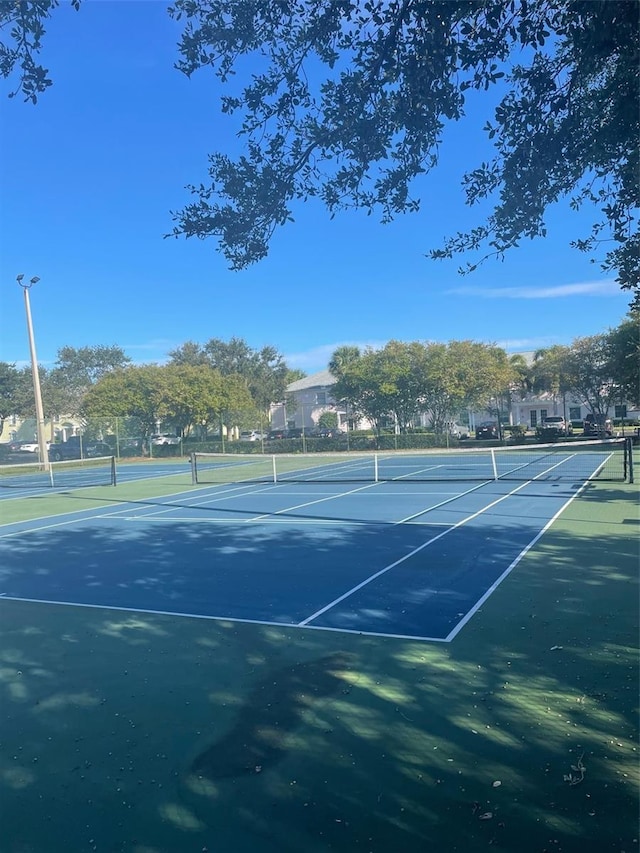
[70, 474]
[576, 461]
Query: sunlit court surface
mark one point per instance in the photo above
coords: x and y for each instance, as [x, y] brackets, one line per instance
[407, 545]
[385, 651]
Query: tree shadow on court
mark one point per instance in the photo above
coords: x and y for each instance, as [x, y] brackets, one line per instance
[146, 732]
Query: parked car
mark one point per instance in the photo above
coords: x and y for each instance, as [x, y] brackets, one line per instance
[597, 425]
[26, 446]
[554, 426]
[251, 435]
[487, 429]
[164, 439]
[458, 430]
[320, 432]
[75, 448]
[276, 434]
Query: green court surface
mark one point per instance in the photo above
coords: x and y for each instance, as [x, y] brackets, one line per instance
[143, 733]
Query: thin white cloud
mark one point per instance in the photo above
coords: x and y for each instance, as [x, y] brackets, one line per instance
[607, 287]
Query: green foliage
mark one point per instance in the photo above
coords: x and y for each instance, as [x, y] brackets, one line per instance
[600, 369]
[328, 420]
[391, 76]
[9, 381]
[589, 369]
[403, 379]
[23, 23]
[18, 395]
[264, 371]
[181, 394]
[461, 375]
[624, 351]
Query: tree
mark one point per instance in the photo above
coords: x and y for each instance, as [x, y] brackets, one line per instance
[137, 391]
[359, 383]
[24, 22]
[551, 372]
[624, 346]
[189, 353]
[20, 385]
[9, 382]
[76, 370]
[590, 373]
[401, 371]
[328, 420]
[461, 375]
[395, 73]
[194, 395]
[183, 394]
[264, 371]
[342, 357]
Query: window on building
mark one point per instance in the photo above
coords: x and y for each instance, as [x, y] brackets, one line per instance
[321, 398]
[575, 413]
[533, 418]
[621, 411]
[543, 414]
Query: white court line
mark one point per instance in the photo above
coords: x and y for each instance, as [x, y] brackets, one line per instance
[46, 526]
[84, 514]
[515, 562]
[311, 503]
[147, 512]
[388, 568]
[268, 519]
[443, 503]
[291, 626]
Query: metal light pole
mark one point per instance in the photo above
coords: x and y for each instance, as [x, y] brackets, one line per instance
[43, 453]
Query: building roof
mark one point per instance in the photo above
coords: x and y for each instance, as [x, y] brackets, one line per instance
[322, 379]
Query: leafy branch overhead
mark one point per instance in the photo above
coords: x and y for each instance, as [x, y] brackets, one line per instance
[351, 100]
[347, 102]
[23, 21]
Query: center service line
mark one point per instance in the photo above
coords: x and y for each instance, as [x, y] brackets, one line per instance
[383, 571]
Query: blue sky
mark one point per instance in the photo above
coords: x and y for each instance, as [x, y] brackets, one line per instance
[90, 175]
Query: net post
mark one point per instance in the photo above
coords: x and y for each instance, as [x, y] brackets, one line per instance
[194, 470]
[629, 456]
[275, 472]
[493, 463]
[113, 471]
[375, 467]
[51, 483]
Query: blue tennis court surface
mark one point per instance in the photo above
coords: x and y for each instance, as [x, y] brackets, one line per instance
[404, 559]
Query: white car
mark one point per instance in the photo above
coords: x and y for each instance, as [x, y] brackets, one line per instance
[251, 435]
[165, 438]
[30, 446]
[458, 430]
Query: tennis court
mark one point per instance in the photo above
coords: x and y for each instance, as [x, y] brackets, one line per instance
[392, 664]
[402, 545]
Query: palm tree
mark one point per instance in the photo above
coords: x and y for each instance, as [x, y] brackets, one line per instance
[342, 358]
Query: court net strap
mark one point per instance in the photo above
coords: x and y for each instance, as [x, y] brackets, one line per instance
[576, 461]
